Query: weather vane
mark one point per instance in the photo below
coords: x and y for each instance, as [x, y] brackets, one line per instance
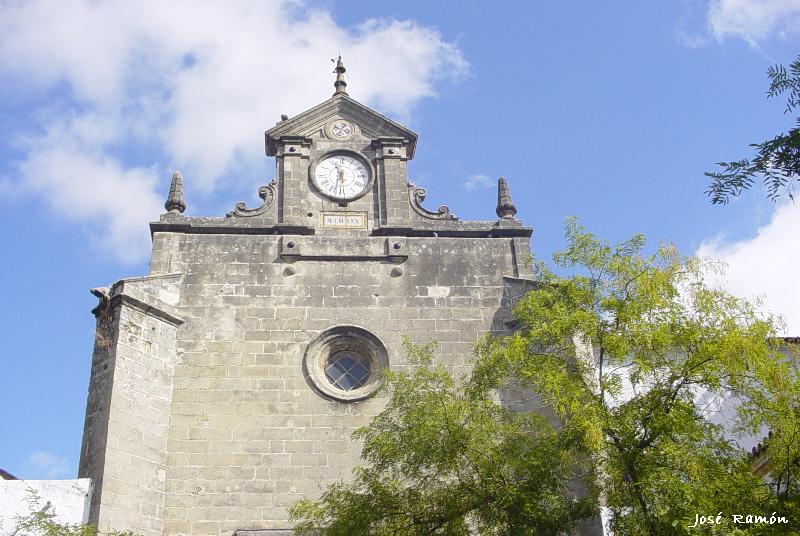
[339, 84]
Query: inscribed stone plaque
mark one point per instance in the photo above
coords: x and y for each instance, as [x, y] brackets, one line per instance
[344, 220]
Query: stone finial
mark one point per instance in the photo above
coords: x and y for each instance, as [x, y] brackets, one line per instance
[175, 203]
[339, 84]
[505, 207]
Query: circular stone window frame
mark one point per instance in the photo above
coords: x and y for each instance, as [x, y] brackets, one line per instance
[344, 338]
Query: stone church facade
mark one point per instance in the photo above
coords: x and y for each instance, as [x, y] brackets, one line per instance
[225, 384]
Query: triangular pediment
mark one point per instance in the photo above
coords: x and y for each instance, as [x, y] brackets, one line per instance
[371, 124]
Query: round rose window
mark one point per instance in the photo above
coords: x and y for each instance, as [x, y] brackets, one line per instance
[347, 370]
[344, 363]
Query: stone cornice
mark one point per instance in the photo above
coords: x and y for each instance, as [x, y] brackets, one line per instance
[133, 292]
[146, 308]
[251, 226]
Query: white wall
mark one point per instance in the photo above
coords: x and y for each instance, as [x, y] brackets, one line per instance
[69, 500]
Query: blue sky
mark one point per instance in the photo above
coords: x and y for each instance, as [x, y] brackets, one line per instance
[609, 111]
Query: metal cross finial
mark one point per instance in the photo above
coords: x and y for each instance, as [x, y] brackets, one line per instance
[339, 84]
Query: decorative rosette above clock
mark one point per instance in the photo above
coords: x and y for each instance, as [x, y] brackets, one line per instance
[340, 129]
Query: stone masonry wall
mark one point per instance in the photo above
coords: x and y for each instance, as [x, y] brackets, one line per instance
[248, 436]
[98, 403]
[128, 412]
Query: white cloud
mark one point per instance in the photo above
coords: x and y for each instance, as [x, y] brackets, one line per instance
[765, 265]
[186, 84]
[753, 20]
[46, 466]
[116, 201]
[475, 182]
[690, 40]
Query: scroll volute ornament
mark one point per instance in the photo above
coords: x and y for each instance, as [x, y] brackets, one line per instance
[266, 193]
[417, 195]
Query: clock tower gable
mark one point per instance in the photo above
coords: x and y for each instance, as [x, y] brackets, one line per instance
[341, 161]
[318, 122]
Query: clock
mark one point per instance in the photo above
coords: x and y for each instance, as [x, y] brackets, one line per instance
[341, 176]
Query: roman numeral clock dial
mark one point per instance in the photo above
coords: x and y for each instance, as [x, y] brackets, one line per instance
[341, 177]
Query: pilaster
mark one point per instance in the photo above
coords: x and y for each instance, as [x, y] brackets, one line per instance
[292, 160]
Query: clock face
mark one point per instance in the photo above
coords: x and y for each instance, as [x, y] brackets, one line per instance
[341, 176]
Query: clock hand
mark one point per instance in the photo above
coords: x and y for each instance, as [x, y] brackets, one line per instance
[340, 179]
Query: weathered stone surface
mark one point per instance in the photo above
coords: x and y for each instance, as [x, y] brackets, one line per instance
[128, 408]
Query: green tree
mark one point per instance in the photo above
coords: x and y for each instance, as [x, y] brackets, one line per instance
[445, 458]
[626, 351]
[777, 161]
[630, 353]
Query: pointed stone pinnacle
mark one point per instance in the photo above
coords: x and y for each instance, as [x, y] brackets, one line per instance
[505, 207]
[340, 84]
[175, 203]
